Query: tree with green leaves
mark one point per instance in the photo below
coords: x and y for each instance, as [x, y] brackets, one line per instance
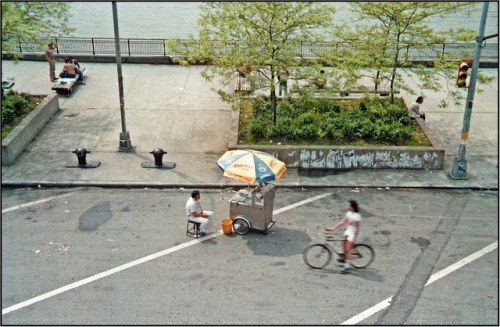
[386, 31]
[264, 36]
[32, 19]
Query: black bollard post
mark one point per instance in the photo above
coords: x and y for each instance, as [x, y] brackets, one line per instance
[81, 155]
[158, 155]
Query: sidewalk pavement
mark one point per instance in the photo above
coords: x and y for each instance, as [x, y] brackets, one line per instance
[173, 108]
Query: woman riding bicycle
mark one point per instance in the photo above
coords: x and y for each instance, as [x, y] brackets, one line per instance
[353, 220]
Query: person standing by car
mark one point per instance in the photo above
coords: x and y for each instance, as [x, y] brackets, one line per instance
[196, 214]
[353, 220]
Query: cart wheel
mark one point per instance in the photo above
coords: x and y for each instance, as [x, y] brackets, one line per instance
[241, 225]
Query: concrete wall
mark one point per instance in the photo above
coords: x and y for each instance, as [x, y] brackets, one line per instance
[19, 138]
[355, 157]
[345, 158]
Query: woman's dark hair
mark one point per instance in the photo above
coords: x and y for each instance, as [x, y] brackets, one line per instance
[194, 194]
[420, 99]
[354, 205]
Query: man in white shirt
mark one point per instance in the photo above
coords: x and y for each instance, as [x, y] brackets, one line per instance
[195, 213]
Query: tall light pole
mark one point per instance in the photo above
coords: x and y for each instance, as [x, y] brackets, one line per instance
[125, 143]
[459, 170]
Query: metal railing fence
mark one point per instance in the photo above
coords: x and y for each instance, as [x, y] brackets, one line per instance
[305, 49]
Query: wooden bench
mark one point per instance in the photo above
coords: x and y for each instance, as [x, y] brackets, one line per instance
[242, 84]
[65, 85]
[366, 90]
[351, 91]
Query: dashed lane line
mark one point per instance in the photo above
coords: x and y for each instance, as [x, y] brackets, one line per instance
[35, 202]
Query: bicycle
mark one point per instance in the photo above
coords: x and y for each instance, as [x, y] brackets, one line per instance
[319, 255]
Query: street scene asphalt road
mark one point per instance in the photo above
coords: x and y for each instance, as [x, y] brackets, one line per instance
[113, 257]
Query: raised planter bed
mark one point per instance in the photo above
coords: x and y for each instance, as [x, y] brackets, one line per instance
[355, 157]
[19, 138]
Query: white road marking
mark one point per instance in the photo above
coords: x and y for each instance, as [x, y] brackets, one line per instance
[107, 273]
[448, 270]
[300, 203]
[34, 202]
[136, 262]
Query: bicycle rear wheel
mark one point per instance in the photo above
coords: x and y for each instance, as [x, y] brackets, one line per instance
[362, 255]
[317, 256]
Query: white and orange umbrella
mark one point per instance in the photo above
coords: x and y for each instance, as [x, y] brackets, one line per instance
[251, 166]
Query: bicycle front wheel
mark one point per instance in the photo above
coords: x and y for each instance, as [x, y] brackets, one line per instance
[317, 256]
[362, 255]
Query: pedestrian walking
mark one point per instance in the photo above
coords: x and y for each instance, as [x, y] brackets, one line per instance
[51, 58]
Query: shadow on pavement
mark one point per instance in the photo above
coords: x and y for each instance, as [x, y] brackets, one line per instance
[366, 274]
[279, 242]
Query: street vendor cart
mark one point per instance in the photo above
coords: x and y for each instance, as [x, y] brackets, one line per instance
[252, 209]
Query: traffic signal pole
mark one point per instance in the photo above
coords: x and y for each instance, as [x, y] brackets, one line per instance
[459, 170]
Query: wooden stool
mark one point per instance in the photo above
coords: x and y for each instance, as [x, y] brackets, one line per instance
[193, 228]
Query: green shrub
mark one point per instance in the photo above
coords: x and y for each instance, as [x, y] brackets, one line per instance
[323, 105]
[363, 107]
[8, 114]
[286, 109]
[286, 128]
[306, 119]
[309, 131]
[263, 109]
[347, 130]
[330, 130]
[336, 107]
[258, 128]
[363, 128]
[272, 130]
[14, 105]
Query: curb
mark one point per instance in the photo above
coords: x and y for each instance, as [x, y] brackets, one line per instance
[227, 185]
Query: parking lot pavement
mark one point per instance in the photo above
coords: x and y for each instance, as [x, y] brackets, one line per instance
[55, 239]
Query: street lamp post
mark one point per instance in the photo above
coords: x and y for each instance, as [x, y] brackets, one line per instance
[125, 143]
[459, 170]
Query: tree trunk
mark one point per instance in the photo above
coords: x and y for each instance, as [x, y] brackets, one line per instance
[394, 69]
[378, 69]
[273, 98]
[273, 94]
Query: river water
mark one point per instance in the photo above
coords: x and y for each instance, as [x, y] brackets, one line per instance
[166, 20]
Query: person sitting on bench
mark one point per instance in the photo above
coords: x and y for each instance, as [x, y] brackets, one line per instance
[69, 71]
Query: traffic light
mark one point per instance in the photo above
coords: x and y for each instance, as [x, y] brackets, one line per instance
[462, 73]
